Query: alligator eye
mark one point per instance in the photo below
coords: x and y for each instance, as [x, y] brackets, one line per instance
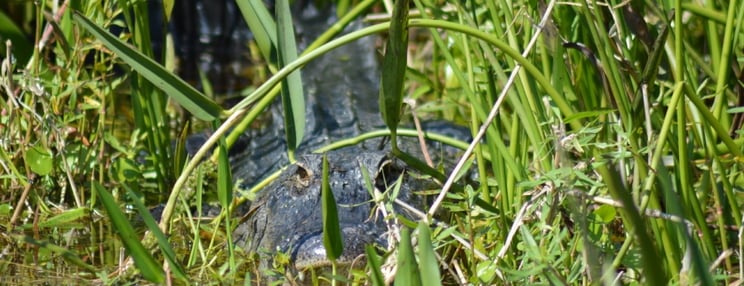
[388, 173]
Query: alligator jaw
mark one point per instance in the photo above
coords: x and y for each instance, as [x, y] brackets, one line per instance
[312, 254]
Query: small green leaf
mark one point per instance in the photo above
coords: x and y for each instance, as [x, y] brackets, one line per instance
[5, 209]
[186, 95]
[427, 259]
[147, 265]
[605, 213]
[125, 170]
[394, 68]
[408, 273]
[39, 159]
[486, 270]
[65, 218]
[332, 237]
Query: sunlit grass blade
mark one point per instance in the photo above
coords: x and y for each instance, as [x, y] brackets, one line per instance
[162, 240]
[191, 99]
[332, 237]
[394, 68]
[427, 259]
[262, 26]
[408, 272]
[168, 9]
[147, 265]
[293, 99]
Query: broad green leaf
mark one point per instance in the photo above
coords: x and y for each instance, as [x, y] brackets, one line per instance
[374, 264]
[148, 266]
[408, 273]
[394, 68]
[191, 99]
[293, 100]
[262, 26]
[39, 159]
[332, 237]
[22, 47]
[163, 242]
[427, 259]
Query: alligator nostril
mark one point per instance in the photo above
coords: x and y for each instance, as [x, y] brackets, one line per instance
[300, 180]
[388, 173]
[302, 174]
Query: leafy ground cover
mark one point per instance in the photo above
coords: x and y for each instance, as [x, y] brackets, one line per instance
[609, 141]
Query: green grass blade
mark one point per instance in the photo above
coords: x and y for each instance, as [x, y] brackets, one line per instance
[191, 99]
[394, 68]
[427, 259]
[332, 237]
[374, 264]
[163, 242]
[262, 26]
[180, 154]
[293, 100]
[65, 218]
[224, 178]
[408, 273]
[168, 9]
[147, 265]
[225, 195]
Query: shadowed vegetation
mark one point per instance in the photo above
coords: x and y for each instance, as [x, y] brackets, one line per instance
[607, 140]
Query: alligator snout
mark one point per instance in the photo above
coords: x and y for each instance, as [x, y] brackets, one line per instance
[287, 214]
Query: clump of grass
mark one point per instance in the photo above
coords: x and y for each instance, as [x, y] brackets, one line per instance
[607, 143]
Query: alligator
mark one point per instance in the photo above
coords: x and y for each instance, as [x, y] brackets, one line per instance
[341, 90]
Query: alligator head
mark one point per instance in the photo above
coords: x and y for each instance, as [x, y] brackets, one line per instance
[286, 217]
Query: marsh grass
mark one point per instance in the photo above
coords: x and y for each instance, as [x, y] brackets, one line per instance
[608, 133]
